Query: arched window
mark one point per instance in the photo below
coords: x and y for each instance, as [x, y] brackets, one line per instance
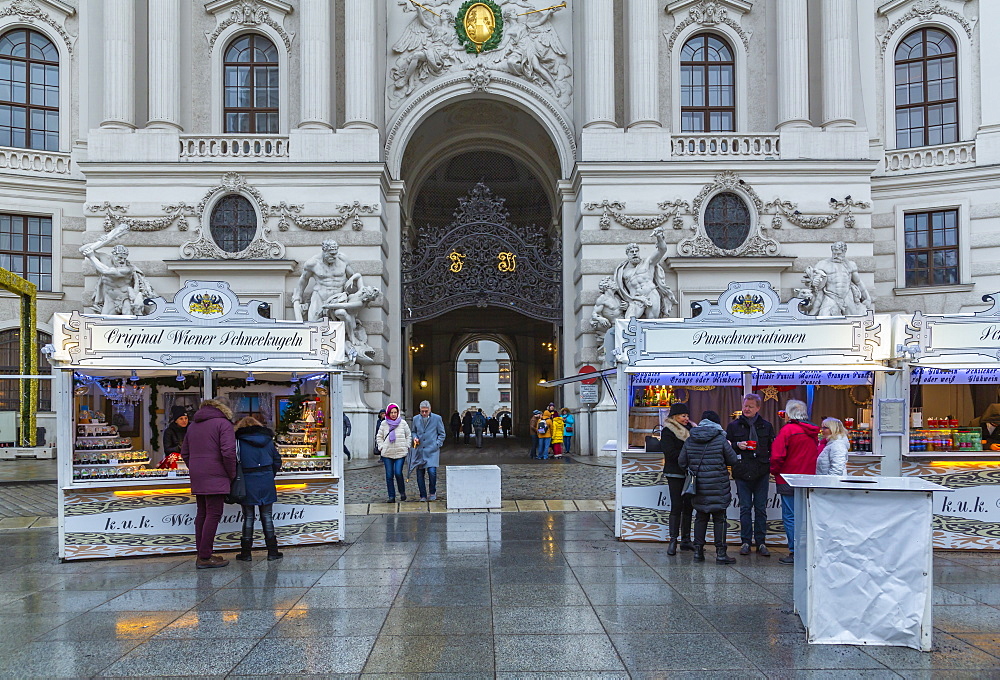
[727, 221]
[233, 223]
[10, 364]
[926, 89]
[708, 85]
[251, 85]
[29, 91]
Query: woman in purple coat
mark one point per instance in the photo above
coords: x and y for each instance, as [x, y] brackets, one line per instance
[210, 453]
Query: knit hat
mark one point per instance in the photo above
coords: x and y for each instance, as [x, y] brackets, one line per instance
[536, 412]
[679, 409]
[713, 416]
[176, 412]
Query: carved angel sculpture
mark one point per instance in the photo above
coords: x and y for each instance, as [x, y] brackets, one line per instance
[534, 51]
[424, 48]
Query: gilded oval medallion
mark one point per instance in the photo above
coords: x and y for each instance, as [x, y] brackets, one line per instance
[479, 25]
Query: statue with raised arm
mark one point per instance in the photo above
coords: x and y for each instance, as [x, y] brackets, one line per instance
[121, 288]
[836, 286]
[643, 283]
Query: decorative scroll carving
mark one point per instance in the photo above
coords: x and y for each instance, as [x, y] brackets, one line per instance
[480, 230]
[114, 215]
[924, 10]
[708, 13]
[291, 214]
[700, 245]
[203, 247]
[480, 78]
[249, 13]
[612, 210]
[789, 211]
[29, 12]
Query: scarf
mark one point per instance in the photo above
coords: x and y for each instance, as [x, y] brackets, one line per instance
[679, 430]
[393, 424]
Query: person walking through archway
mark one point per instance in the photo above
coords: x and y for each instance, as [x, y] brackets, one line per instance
[393, 441]
[467, 426]
[456, 425]
[478, 425]
[428, 436]
[505, 424]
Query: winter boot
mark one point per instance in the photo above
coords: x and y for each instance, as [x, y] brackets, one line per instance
[721, 557]
[699, 553]
[672, 548]
[686, 544]
[272, 548]
[246, 545]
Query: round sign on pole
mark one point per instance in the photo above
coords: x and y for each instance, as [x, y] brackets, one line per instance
[588, 369]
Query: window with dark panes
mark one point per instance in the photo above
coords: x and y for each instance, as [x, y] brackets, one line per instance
[473, 396]
[926, 89]
[10, 364]
[505, 396]
[931, 240]
[472, 372]
[233, 223]
[29, 91]
[727, 221]
[473, 347]
[250, 103]
[26, 248]
[708, 85]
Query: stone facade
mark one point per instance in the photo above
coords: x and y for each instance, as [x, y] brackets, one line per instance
[374, 94]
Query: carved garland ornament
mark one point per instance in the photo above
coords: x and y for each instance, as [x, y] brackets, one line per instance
[114, 215]
[28, 11]
[290, 214]
[924, 10]
[708, 13]
[789, 211]
[612, 211]
[249, 13]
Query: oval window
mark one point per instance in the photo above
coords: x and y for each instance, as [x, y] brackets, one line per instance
[727, 221]
[233, 223]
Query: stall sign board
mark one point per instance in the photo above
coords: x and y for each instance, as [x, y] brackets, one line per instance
[735, 378]
[959, 376]
[952, 338]
[589, 394]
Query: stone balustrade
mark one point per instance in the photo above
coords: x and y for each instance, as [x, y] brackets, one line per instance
[724, 145]
[930, 158]
[231, 147]
[47, 162]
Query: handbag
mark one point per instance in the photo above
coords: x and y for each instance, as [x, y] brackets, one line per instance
[238, 489]
[690, 487]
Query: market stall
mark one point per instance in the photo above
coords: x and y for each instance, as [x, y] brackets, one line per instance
[121, 380]
[747, 340]
[954, 405]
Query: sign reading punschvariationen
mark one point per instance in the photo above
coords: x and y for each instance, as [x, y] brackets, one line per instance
[750, 338]
[739, 337]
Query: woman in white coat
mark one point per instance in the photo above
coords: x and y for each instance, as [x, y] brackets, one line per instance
[833, 449]
[393, 440]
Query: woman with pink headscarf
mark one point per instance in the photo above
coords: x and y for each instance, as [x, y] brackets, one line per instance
[393, 441]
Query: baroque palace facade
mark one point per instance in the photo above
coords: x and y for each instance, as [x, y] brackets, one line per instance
[737, 139]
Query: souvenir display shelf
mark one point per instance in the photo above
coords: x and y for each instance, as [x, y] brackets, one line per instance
[99, 454]
[948, 442]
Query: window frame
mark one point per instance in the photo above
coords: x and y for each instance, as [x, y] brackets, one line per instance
[926, 103]
[735, 42]
[931, 248]
[252, 65]
[746, 207]
[473, 396]
[964, 206]
[28, 61]
[472, 372]
[508, 399]
[211, 213]
[704, 65]
[217, 59]
[44, 368]
[503, 373]
[25, 253]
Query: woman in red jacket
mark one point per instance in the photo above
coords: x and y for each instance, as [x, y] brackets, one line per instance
[794, 452]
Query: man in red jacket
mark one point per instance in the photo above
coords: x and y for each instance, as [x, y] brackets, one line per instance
[794, 452]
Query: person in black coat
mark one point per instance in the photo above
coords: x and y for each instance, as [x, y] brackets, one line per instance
[381, 417]
[456, 425]
[260, 461]
[505, 424]
[173, 437]
[706, 453]
[467, 426]
[676, 430]
[347, 433]
[751, 437]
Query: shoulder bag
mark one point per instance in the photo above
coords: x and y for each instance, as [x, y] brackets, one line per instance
[238, 490]
[690, 487]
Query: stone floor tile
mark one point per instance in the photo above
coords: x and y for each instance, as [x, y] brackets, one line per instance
[683, 651]
[653, 619]
[609, 505]
[589, 505]
[988, 642]
[607, 558]
[791, 651]
[362, 577]
[560, 506]
[530, 506]
[414, 507]
[967, 618]
[275, 577]
[579, 620]
[360, 561]
[45, 523]
[528, 595]
[243, 599]
[440, 576]
[382, 508]
[407, 654]
[982, 593]
[164, 657]
[752, 619]
[47, 601]
[617, 575]
[726, 593]
[330, 622]
[112, 626]
[444, 620]
[347, 597]
[211, 624]
[317, 655]
[62, 658]
[533, 575]
[440, 508]
[631, 594]
[355, 509]
[17, 522]
[413, 595]
[947, 653]
[558, 653]
[16, 629]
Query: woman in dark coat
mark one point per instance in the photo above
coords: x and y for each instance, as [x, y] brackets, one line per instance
[676, 430]
[209, 450]
[173, 437]
[456, 425]
[467, 426]
[260, 461]
[706, 453]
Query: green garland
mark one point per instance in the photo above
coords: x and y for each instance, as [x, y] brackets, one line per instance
[463, 37]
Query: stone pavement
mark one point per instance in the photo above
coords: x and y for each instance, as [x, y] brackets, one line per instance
[27, 500]
[457, 595]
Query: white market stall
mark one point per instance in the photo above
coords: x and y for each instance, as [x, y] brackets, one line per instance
[116, 379]
[747, 338]
[954, 366]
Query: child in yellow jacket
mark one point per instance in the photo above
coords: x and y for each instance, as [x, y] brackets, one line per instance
[558, 432]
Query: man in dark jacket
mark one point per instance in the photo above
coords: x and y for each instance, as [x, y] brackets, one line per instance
[467, 425]
[505, 424]
[751, 437]
[706, 453]
[478, 425]
[347, 433]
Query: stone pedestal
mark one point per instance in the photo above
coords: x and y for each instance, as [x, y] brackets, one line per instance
[361, 443]
[473, 486]
[605, 421]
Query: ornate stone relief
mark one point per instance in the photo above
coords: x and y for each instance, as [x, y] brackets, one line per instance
[613, 211]
[29, 12]
[789, 211]
[250, 13]
[291, 214]
[203, 247]
[114, 215]
[428, 48]
[710, 13]
[924, 10]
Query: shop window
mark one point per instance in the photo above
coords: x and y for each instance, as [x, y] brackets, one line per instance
[248, 404]
[505, 396]
[233, 223]
[926, 76]
[250, 102]
[10, 364]
[26, 248]
[472, 372]
[29, 91]
[708, 85]
[727, 221]
[473, 396]
[931, 241]
[504, 373]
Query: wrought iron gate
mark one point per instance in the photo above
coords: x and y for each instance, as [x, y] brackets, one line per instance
[480, 259]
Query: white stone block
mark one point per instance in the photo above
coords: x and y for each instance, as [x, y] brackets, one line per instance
[473, 486]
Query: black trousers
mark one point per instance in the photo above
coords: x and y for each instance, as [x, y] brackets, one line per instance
[680, 510]
[718, 526]
[266, 520]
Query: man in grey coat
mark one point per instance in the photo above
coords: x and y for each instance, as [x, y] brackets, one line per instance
[428, 436]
